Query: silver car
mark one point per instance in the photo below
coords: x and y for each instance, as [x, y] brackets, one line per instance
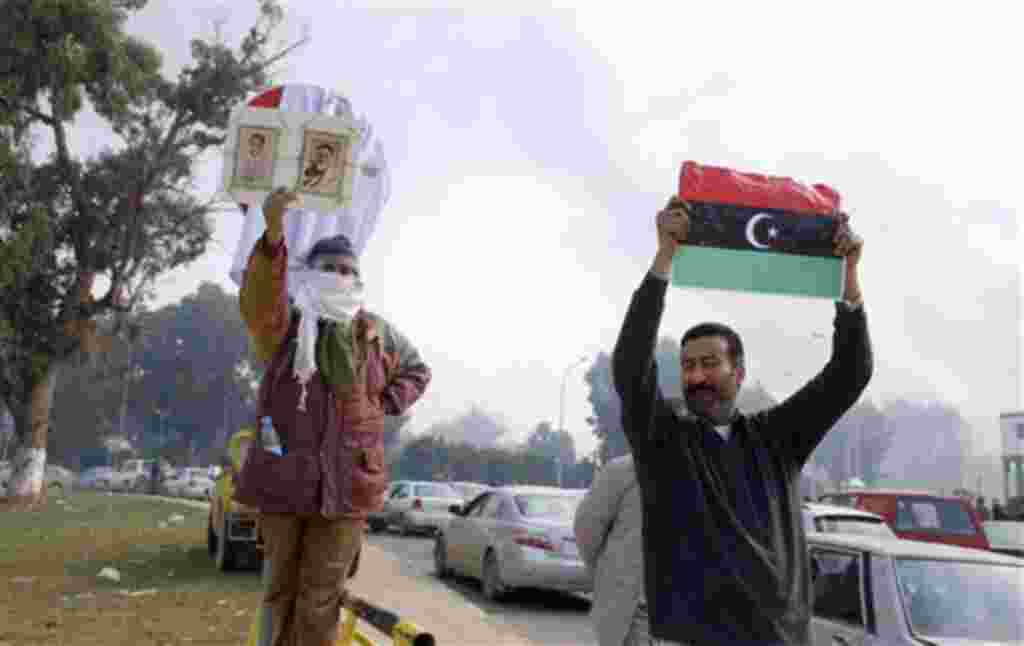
[512, 537]
[96, 478]
[57, 479]
[416, 507]
[884, 591]
[844, 520]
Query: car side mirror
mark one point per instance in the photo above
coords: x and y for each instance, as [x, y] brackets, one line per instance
[455, 509]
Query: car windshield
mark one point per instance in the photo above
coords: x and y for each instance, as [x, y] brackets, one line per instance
[1005, 533]
[853, 525]
[548, 506]
[933, 515]
[434, 491]
[953, 599]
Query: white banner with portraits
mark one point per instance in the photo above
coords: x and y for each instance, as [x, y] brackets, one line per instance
[305, 138]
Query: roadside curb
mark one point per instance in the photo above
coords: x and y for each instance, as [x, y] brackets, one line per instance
[428, 603]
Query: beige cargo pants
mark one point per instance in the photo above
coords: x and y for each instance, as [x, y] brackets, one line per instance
[308, 564]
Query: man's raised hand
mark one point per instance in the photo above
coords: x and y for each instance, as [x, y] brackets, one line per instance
[673, 226]
[273, 211]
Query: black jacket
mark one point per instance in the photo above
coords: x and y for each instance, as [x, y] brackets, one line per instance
[725, 555]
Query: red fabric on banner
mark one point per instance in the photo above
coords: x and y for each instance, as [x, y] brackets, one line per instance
[700, 183]
[269, 99]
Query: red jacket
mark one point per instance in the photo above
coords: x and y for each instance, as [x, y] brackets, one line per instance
[334, 450]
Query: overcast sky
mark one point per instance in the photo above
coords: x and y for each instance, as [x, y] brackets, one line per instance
[530, 154]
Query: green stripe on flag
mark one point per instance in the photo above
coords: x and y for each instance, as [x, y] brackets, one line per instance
[758, 271]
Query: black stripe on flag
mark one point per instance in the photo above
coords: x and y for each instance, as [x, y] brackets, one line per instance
[727, 226]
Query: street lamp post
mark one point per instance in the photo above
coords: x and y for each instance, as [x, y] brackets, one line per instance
[561, 413]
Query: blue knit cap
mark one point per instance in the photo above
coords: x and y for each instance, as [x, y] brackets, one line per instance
[338, 245]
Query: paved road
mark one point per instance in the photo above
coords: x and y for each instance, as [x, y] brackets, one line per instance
[543, 617]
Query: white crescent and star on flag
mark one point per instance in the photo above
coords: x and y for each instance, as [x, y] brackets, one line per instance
[773, 231]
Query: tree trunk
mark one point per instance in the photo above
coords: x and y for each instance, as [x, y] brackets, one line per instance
[32, 424]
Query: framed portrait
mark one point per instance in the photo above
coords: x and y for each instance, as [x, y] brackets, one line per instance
[255, 157]
[324, 165]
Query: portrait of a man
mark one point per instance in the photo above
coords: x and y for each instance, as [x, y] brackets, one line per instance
[324, 157]
[254, 166]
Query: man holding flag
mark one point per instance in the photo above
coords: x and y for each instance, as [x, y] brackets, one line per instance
[725, 555]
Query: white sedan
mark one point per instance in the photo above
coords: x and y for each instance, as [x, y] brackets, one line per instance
[844, 520]
[886, 591]
[190, 482]
[416, 507]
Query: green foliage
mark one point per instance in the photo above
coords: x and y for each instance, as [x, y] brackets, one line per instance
[434, 458]
[125, 216]
[189, 362]
[549, 443]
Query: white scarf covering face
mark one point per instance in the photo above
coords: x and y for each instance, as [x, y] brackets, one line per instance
[321, 295]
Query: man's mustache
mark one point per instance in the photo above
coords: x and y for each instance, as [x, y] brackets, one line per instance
[692, 391]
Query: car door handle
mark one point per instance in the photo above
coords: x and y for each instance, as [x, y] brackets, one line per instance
[839, 640]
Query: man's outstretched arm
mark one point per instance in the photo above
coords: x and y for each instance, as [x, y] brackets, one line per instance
[801, 422]
[634, 370]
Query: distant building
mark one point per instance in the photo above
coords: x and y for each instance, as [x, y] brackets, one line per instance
[1012, 429]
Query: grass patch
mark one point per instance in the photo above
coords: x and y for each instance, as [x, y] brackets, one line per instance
[170, 592]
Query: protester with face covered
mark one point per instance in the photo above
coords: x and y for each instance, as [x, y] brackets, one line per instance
[724, 549]
[334, 371]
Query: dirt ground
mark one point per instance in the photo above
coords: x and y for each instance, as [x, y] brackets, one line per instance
[169, 591]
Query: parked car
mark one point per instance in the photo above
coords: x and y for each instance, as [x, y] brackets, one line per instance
[95, 478]
[190, 482]
[56, 479]
[920, 515]
[133, 475]
[415, 506]
[515, 537]
[844, 520]
[1005, 536]
[884, 591]
[233, 532]
[59, 479]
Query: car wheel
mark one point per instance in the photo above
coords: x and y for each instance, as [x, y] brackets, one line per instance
[211, 537]
[225, 550]
[441, 558]
[376, 527]
[494, 588]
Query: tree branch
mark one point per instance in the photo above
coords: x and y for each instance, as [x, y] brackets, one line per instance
[35, 113]
[282, 54]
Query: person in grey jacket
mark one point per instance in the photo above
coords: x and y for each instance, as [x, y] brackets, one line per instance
[608, 528]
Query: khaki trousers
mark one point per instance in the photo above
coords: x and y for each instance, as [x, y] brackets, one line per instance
[309, 559]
